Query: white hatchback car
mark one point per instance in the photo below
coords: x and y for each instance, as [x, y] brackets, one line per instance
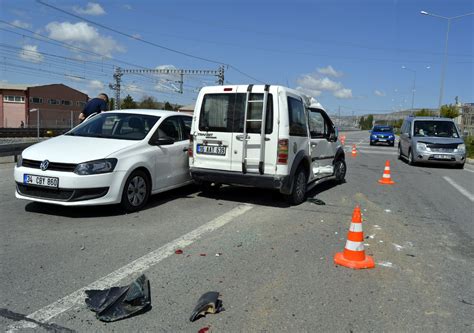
[113, 157]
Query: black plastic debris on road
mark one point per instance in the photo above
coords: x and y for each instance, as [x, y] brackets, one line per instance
[120, 302]
[207, 303]
[316, 201]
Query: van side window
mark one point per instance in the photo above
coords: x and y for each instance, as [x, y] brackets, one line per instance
[317, 125]
[298, 124]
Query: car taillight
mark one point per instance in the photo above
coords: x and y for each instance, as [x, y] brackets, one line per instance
[190, 148]
[283, 151]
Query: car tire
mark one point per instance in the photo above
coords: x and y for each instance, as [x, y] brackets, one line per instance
[371, 143]
[136, 191]
[340, 169]
[400, 155]
[392, 144]
[411, 160]
[300, 184]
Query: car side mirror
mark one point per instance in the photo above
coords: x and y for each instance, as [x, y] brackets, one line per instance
[164, 141]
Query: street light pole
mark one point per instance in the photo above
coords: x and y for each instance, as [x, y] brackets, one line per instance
[445, 57]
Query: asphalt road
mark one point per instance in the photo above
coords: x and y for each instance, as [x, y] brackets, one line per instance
[274, 267]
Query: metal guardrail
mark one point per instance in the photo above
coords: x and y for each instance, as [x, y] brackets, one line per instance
[31, 132]
[14, 149]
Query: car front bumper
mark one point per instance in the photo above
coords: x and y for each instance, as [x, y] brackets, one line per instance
[387, 141]
[73, 189]
[439, 157]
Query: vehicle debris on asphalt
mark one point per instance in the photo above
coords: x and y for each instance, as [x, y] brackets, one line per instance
[316, 201]
[207, 303]
[120, 302]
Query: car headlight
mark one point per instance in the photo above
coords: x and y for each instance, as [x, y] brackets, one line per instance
[461, 148]
[374, 136]
[19, 161]
[420, 146]
[96, 167]
[390, 136]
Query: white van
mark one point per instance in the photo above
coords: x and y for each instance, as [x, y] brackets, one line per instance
[296, 149]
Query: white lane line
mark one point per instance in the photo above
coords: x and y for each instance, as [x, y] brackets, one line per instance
[139, 265]
[466, 169]
[461, 189]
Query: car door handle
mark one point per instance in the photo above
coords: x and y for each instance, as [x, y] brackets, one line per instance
[240, 137]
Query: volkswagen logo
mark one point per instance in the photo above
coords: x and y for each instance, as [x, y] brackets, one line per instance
[44, 165]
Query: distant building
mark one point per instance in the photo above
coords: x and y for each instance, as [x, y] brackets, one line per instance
[467, 118]
[187, 109]
[59, 105]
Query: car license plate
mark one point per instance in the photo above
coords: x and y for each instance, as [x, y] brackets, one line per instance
[382, 140]
[211, 150]
[41, 180]
[443, 157]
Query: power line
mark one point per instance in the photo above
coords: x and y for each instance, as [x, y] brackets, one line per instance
[148, 42]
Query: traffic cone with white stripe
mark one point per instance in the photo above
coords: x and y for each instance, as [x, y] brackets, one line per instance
[386, 178]
[353, 255]
[354, 151]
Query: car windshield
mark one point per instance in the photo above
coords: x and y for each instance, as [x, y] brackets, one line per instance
[443, 129]
[123, 126]
[387, 129]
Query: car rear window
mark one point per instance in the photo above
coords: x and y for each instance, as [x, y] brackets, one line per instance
[225, 113]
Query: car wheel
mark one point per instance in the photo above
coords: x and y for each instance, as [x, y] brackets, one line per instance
[371, 143]
[300, 183]
[392, 144]
[400, 156]
[411, 160]
[340, 170]
[136, 191]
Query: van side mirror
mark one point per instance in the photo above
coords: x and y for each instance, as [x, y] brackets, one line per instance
[333, 136]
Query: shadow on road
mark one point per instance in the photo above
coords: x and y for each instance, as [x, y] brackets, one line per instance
[108, 210]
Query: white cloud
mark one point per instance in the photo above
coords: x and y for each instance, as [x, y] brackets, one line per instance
[309, 92]
[379, 93]
[127, 7]
[83, 35]
[343, 93]
[137, 36]
[21, 24]
[330, 71]
[30, 53]
[92, 8]
[96, 84]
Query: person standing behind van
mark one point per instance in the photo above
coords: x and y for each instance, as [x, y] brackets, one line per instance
[95, 105]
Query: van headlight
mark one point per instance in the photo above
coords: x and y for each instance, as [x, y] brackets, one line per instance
[96, 167]
[420, 146]
[461, 148]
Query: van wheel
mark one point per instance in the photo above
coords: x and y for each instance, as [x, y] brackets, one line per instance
[300, 183]
[399, 152]
[340, 170]
[135, 192]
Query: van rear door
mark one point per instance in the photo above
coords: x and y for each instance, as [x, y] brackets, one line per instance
[254, 117]
[213, 132]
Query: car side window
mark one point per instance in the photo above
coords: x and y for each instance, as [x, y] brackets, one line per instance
[317, 125]
[186, 126]
[170, 128]
[298, 120]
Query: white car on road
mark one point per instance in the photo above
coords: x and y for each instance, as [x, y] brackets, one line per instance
[114, 157]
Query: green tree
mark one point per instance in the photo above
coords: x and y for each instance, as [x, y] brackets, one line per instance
[148, 102]
[449, 111]
[424, 113]
[361, 122]
[129, 103]
[168, 106]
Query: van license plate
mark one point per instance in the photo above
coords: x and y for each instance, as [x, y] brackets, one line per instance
[41, 181]
[211, 150]
[443, 157]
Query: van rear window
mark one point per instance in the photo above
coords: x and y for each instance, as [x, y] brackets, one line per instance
[225, 113]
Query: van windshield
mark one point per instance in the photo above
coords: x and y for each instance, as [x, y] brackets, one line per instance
[225, 113]
[435, 128]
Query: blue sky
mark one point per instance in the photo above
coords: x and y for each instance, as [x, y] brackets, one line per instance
[346, 53]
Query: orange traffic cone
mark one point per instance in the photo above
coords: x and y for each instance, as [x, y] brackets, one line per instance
[354, 151]
[353, 255]
[386, 178]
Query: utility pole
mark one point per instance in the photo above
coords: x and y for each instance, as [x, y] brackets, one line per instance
[339, 116]
[116, 87]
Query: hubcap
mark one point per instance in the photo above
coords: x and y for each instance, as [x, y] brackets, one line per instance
[300, 185]
[340, 170]
[136, 191]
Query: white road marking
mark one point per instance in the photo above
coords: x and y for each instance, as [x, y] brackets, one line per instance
[466, 169]
[461, 189]
[139, 265]
[377, 152]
